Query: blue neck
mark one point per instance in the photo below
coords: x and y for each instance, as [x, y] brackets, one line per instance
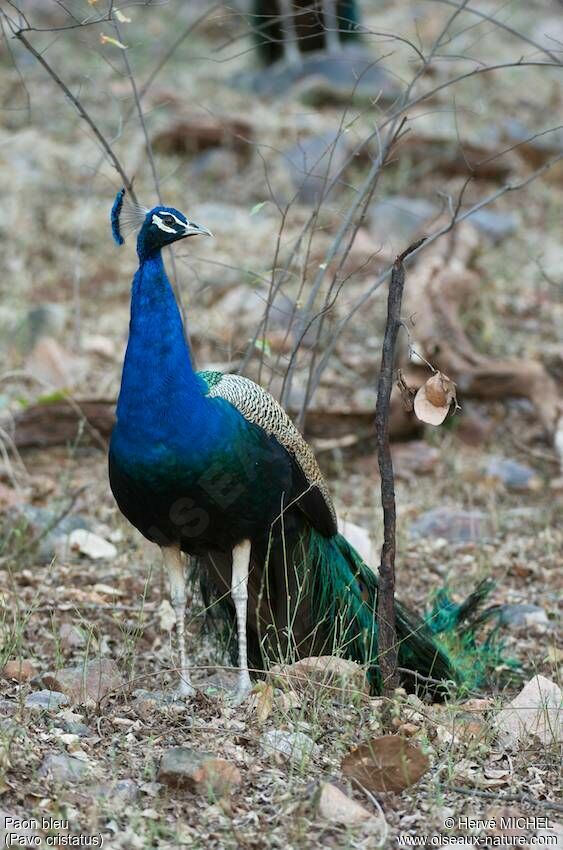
[157, 373]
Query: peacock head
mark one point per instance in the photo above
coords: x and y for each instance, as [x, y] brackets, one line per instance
[159, 226]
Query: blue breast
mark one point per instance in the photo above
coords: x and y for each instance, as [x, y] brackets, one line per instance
[183, 466]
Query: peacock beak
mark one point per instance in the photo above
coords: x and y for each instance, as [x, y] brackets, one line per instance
[193, 229]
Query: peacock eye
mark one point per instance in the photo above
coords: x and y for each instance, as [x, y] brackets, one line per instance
[168, 219]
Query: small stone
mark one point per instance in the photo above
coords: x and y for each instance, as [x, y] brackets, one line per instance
[215, 164]
[52, 364]
[408, 730]
[62, 768]
[21, 670]
[513, 475]
[337, 674]
[398, 220]
[73, 724]
[120, 793]
[147, 702]
[71, 636]
[312, 163]
[46, 700]
[497, 226]
[90, 544]
[101, 345]
[23, 331]
[35, 521]
[455, 526]
[478, 704]
[415, 458]
[8, 707]
[293, 746]
[200, 773]
[336, 807]
[526, 614]
[362, 541]
[91, 680]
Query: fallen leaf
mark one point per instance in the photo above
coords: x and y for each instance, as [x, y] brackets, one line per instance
[433, 400]
[387, 763]
[473, 774]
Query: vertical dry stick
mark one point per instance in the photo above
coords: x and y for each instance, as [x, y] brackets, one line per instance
[387, 638]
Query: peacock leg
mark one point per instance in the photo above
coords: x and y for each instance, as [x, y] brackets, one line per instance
[330, 19]
[239, 595]
[173, 560]
[289, 33]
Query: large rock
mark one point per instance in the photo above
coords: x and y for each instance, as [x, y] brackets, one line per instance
[200, 773]
[88, 682]
[46, 700]
[537, 711]
[324, 77]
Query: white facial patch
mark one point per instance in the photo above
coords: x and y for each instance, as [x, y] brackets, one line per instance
[159, 223]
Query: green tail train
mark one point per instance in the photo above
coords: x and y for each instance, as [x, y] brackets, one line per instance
[313, 595]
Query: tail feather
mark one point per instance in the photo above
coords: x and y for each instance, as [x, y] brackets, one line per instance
[314, 595]
[345, 595]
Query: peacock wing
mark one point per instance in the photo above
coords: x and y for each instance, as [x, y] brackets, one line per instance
[262, 409]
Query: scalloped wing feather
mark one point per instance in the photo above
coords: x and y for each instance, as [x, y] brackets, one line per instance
[261, 408]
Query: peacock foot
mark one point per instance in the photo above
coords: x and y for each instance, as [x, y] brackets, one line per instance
[244, 687]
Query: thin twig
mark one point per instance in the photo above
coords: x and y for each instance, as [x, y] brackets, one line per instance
[84, 114]
[387, 651]
[515, 798]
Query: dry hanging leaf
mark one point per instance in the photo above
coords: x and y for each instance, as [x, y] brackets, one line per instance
[434, 399]
[387, 763]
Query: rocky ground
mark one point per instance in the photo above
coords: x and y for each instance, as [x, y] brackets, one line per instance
[103, 747]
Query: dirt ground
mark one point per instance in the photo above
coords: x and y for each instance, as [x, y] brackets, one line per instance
[63, 279]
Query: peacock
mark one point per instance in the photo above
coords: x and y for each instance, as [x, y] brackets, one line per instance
[209, 465]
[284, 29]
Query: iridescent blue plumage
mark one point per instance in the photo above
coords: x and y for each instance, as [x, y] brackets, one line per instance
[211, 465]
[115, 215]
